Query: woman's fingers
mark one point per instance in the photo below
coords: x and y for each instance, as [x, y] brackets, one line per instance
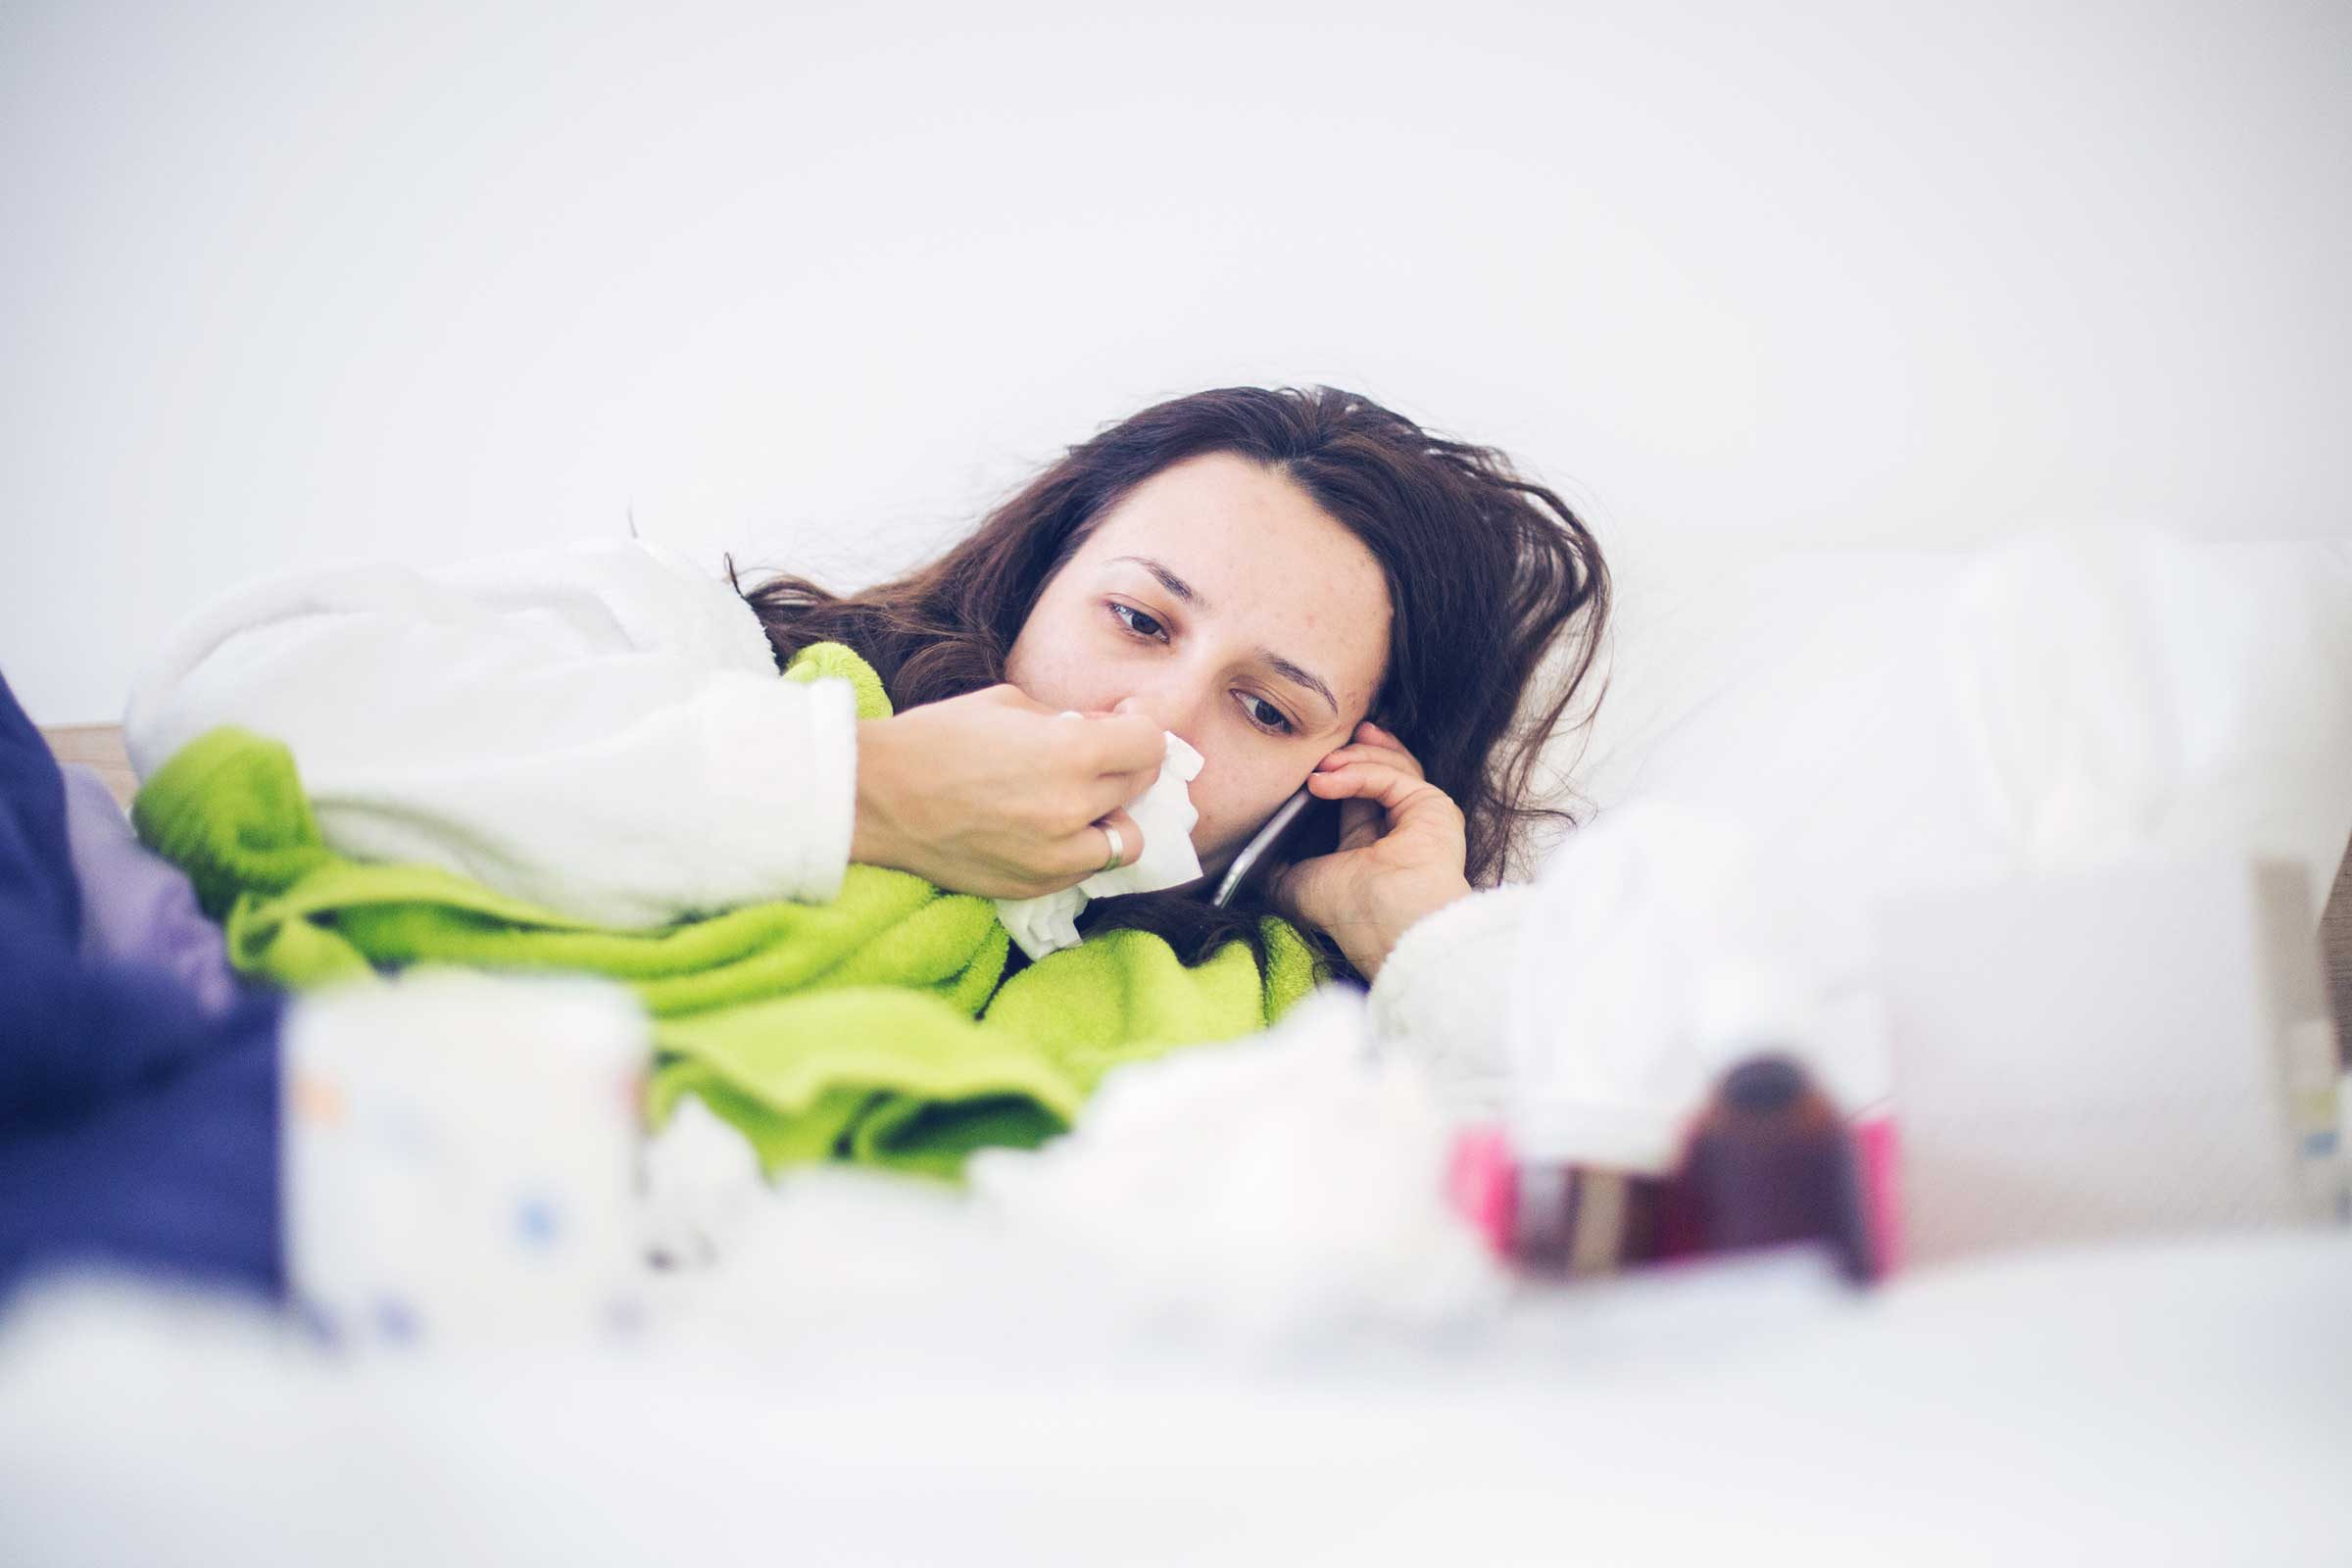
[1118, 744]
[1088, 850]
[1400, 761]
[1108, 791]
[1131, 840]
[1373, 745]
[1382, 783]
[1117, 757]
[993, 793]
[1121, 755]
[1007, 695]
[1114, 742]
[1106, 760]
[1362, 779]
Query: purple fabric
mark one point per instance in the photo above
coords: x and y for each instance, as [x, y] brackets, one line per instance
[134, 1129]
[138, 907]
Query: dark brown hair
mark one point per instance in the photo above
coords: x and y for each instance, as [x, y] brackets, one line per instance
[1493, 582]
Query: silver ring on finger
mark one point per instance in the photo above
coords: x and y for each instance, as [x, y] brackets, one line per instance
[1118, 847]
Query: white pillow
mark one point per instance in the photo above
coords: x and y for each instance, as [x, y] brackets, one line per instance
[1860, 710]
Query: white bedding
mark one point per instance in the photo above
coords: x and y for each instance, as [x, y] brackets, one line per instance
[2188, 1404]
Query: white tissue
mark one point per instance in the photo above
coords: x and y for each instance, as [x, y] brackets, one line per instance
[698, 1177]
[1283, 1187]
[1165, 815]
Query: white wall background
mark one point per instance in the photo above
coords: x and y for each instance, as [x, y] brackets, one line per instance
[287, 283]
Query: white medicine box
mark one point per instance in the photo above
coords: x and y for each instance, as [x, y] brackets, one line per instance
[2139, 1051]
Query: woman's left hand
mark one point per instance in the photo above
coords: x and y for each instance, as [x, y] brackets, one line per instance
[1401, 853]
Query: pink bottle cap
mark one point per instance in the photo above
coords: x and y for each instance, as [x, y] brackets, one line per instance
[1483, 1182]
[1878, 1151]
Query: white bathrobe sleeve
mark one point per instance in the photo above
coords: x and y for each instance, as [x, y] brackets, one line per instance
[1443, 998]
[600, 729]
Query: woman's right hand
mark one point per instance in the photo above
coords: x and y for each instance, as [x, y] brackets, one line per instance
[995, 794]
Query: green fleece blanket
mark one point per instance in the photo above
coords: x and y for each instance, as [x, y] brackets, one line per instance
[870, 1029]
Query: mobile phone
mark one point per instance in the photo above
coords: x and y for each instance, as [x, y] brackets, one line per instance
[1294, 824]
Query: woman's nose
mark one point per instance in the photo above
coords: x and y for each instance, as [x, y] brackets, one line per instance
[1170, 712]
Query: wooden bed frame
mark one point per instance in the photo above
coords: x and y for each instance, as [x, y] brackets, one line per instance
[100, 746]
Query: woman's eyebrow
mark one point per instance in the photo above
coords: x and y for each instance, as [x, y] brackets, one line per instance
[1306, 678]
[1295, 674]
[1167, 580]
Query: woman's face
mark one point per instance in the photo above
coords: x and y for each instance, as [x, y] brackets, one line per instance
[1221, 602]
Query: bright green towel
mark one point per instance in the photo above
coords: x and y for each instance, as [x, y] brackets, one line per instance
[871, 1028]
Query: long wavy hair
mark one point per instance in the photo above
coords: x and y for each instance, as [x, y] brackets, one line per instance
[1495, 586]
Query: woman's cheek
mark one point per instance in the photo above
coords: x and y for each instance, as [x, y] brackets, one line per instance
[1225, 822]
[1207, 824]
[1218, 831]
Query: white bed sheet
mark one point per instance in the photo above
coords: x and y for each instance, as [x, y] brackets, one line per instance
[2189, 1402]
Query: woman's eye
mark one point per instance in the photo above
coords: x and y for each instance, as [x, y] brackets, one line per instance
[1137, 622]
[1265, 715]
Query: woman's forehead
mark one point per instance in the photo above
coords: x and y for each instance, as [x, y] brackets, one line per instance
[1246, 549]
[1242, 528]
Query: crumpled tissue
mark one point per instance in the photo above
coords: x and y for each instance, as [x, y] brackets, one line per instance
[1289, 1183]
[1165, 814]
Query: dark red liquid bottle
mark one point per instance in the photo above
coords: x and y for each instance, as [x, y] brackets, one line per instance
[1771, 1163]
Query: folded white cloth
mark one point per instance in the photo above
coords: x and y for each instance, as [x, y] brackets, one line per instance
[1165, 814]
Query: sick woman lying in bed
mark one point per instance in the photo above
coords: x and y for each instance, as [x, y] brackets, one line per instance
[585, 759]
[1306, 588]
